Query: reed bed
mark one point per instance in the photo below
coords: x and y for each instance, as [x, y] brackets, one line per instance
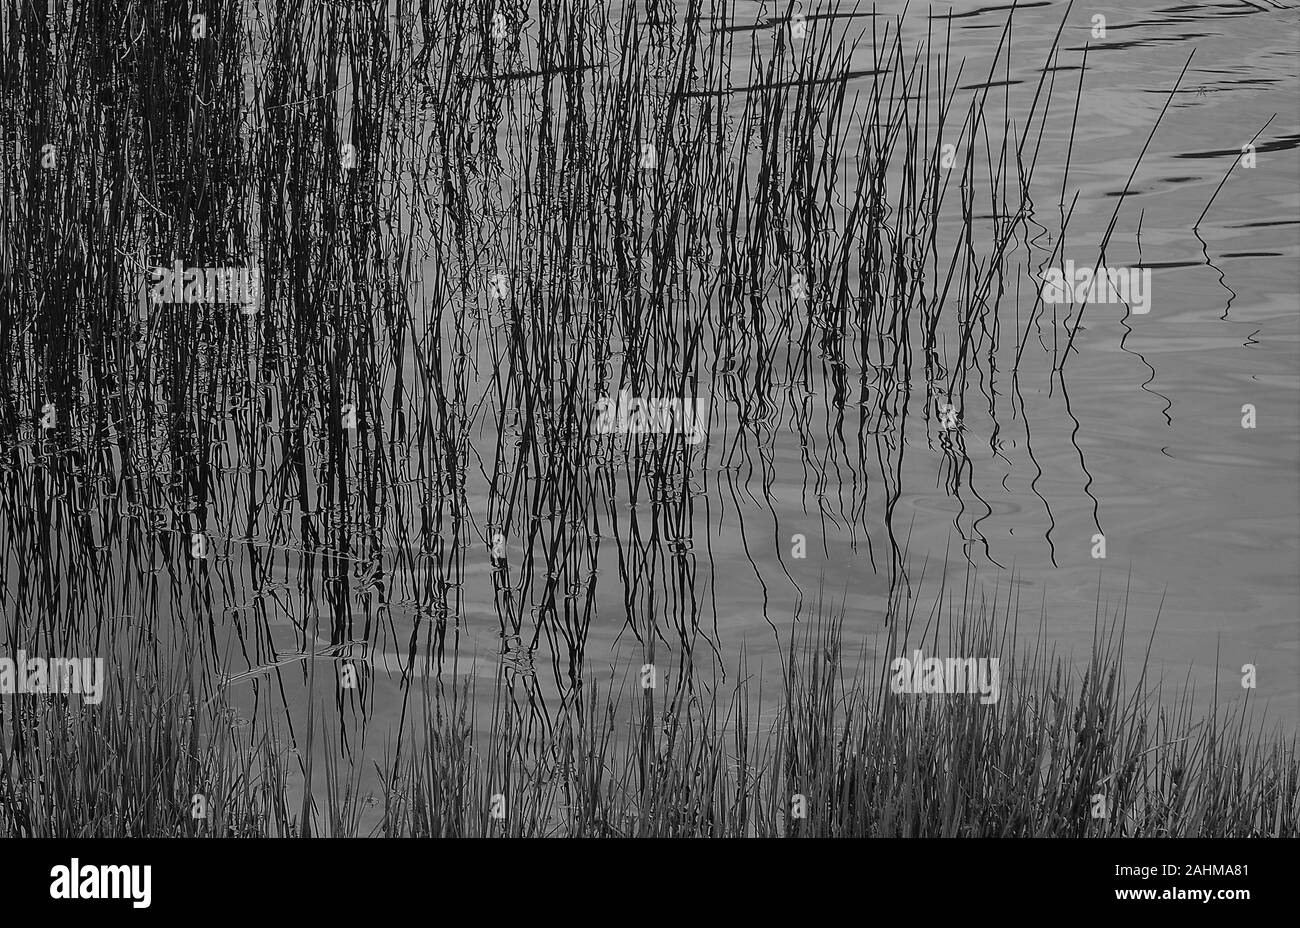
[470, 223]
[841, 755]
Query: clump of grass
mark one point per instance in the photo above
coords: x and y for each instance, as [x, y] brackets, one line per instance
[844, 755]
[151, 759]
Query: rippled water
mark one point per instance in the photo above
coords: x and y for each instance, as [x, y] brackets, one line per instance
[1136, 435]
[1143, 435]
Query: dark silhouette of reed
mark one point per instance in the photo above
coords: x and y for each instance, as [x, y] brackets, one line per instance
[470, 223]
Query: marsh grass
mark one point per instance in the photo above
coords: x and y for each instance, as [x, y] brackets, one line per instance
[800, 253]
[867, 760]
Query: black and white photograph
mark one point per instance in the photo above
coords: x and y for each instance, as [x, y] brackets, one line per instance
[649, 419]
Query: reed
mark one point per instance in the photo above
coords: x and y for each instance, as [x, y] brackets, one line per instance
[471, 222]
[841, 754]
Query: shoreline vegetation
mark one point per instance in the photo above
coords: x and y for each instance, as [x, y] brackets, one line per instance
[1068, 750]
[455, 236]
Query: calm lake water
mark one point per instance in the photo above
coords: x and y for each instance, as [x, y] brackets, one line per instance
[1139, 437]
